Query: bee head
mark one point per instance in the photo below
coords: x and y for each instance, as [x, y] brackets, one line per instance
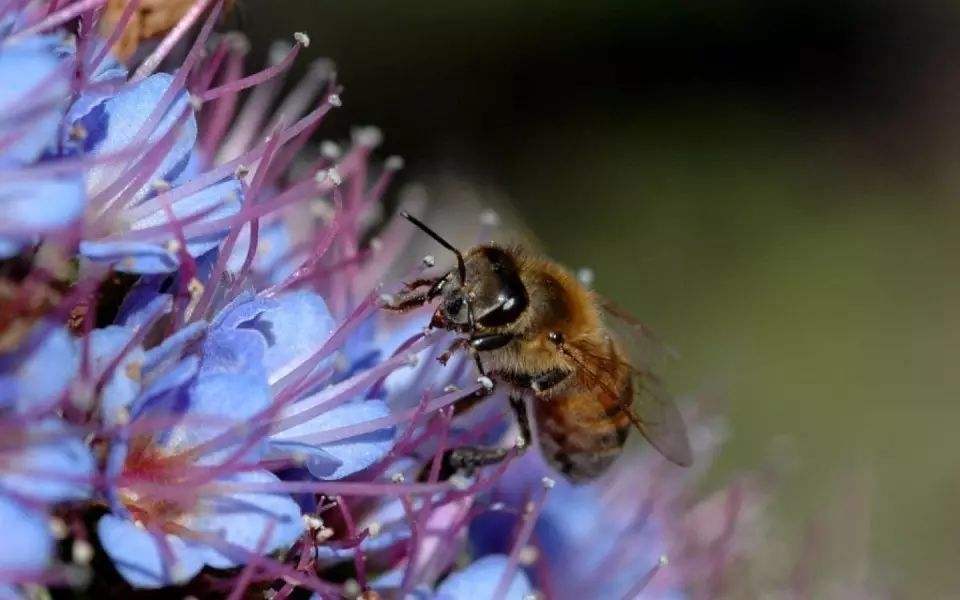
[491, 294]
[485, 290]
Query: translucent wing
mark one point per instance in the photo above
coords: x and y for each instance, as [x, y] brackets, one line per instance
[653, 410]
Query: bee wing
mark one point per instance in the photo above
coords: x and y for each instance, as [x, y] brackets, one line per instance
[657, 417]
[653, 410]
[645, 348]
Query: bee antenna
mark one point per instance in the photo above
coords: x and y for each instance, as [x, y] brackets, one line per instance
[461, 267]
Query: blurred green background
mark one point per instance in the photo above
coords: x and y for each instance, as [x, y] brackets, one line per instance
[771, 185]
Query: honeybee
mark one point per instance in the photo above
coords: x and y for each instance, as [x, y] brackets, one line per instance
[532, 325]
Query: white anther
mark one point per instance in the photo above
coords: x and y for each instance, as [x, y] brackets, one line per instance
[586, 276]
[238, 42]
[388, 299]
[351, 589]
[528, 555]
[58, 528]
[397, 478]
[664, 561]
[489, 218]
[368, 137]
[548, 483]
[394, 163]
[330, 150]
[312, 521]
[334, 176]
[486, 382]
[334, 100]
[302, 38]
[160, 185]
[459, 482]
[374, 529]
[450, 389]
[81, 552]
[241, 171]
[429, 261]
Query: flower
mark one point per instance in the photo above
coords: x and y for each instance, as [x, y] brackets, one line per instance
[196, 384]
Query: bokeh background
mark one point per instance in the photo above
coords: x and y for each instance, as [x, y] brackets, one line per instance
[772, 185]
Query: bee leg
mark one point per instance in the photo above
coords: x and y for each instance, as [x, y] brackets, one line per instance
[519, 406]
[467, 459]
[410, 298]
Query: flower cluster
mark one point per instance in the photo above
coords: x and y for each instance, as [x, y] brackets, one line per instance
[198, 392]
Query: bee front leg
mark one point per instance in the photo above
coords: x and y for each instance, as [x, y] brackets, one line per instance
[411, 298]
[467, 459]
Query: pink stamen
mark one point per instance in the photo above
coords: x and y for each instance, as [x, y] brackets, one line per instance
[237, 86]
[58, 18]
[150, 64]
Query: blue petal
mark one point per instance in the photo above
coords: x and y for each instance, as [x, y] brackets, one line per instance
[123, 385]
[215, 202]
[34, 381]
[233, 351]
[349, 455]
[167, 394]
[33, 95]
[112, 126]
[140, 558]
[218, 404]
[294, 330]
[144, 302]
[272, 258]
[480, 580]
[31, 208]
[26, 543]
[54, 466]
[172, 349]
[131, 257]
[243, 519]
[242, 309]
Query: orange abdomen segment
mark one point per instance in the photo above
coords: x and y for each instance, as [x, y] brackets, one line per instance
[581, 433]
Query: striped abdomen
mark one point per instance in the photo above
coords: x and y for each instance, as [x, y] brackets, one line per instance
[582, 432]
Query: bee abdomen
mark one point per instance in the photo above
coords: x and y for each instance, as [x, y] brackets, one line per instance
[578, 437]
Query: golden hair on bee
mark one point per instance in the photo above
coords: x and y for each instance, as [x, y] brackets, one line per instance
[150, 19]
[531, 324]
